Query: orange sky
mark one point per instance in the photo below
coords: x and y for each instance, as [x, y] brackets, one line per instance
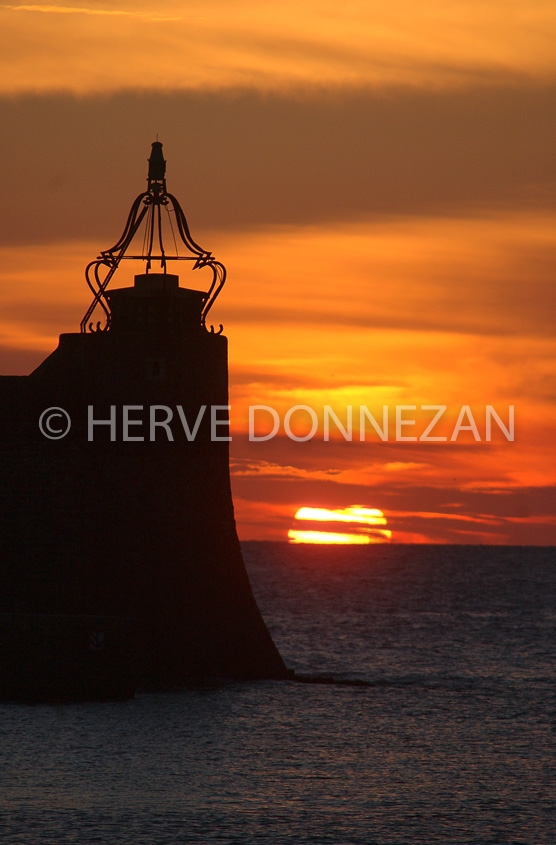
[379, 180]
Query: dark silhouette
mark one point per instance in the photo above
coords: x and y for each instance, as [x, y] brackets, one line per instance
[120, 564]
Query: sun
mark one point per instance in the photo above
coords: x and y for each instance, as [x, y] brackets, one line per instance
[365, 526]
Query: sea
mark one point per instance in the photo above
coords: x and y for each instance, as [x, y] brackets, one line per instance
[425, 717]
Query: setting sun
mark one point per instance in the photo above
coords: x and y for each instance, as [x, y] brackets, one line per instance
[363, 521]
[327, 537]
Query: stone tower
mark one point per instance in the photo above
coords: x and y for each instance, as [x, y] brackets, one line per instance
[127, 520]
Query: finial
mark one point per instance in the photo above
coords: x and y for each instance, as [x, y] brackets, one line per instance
[157, 165]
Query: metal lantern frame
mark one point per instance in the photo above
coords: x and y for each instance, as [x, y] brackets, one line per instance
[147, 208]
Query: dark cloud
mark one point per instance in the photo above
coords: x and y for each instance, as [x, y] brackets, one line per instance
[286, 381]
[27, 314]
[517, 311]
[516, 517]
[318, 454]
[71, 166]
[18, 361]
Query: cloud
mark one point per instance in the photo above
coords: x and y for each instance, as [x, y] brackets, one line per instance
[404, 466]
[258, 469]
[245, 161]
[522, 517]
[409, 281]
[82, 10]
[273, 45]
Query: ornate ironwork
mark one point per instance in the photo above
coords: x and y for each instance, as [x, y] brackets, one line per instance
[147, 208]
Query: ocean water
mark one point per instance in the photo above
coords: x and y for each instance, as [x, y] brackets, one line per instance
[446, 738]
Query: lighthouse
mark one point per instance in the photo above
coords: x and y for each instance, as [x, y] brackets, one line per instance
[120, 557]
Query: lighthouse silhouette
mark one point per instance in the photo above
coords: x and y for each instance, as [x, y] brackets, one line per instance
[120, 565]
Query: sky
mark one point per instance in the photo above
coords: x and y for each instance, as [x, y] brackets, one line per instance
[379, 180]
